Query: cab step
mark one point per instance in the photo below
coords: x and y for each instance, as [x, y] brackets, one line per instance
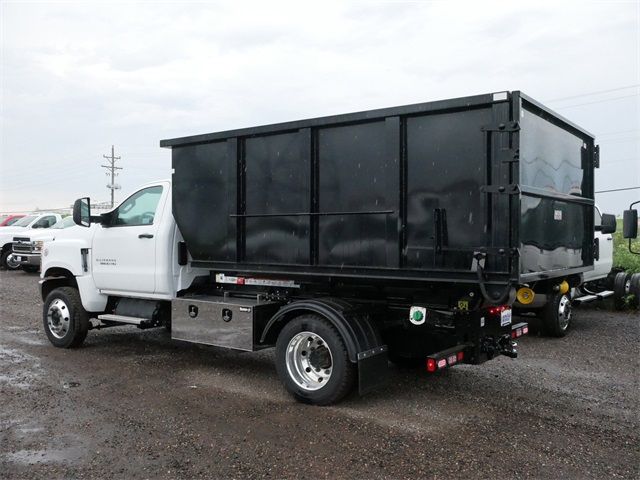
[139, 322]
[592, 298]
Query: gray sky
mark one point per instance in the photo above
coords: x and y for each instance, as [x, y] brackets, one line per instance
[80, 76]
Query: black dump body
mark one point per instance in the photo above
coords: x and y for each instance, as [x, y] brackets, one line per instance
[401, 194]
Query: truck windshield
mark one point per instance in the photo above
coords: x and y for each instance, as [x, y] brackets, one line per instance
[64, 223]
[24, 221]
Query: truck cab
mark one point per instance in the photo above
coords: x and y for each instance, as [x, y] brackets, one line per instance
[603, 261]
[130, 251]
[20, 230]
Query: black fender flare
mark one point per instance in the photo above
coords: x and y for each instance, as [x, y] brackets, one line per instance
[353, 322]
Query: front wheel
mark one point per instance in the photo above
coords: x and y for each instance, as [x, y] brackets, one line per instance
[65, 320]
[8, 261]
[312, 361]
[556, 315]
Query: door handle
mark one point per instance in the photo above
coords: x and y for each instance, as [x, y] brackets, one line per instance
[609, 239]
[145, 235]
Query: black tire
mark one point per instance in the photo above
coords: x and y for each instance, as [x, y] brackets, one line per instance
[621, 288]
[556, 315]
[4, 264]
[30, 268]
[64, 306]
[343, 371]
[634, 290]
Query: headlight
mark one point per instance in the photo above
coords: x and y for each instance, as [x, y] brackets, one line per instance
[37, 245]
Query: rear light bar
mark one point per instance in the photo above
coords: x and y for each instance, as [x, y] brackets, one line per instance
[519, 329]
[445, 358]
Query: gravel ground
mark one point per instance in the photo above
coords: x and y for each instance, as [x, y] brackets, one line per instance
[134, 404]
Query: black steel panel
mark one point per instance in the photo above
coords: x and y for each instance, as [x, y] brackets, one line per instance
[550, 157]
[204, 195]
[446, 168]
[553, 234]
[357, 175]
[277, 169]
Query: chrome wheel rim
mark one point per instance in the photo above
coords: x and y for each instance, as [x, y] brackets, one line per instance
[564, 312]
[627, 286]
[58, 318]
[12, 263]
[309, 361]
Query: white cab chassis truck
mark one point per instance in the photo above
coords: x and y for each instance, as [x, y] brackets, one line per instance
[404, 234]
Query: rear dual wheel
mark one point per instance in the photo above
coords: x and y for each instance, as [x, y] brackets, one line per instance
[312, 361]
[621, 289]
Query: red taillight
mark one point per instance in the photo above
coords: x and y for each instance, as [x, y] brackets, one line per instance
[518, 332]
[460, 356]
[431, 365]
[498, 309]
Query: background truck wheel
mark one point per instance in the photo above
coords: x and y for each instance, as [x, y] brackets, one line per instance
[312, 361]
[621, 288]
[556, 315]
[634, 290]
[65, 320]
[7, 261]
[30, 269]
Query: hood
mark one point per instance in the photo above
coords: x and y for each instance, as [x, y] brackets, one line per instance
[71, 232]
[37, 234]
[7, 233]
[12, 228]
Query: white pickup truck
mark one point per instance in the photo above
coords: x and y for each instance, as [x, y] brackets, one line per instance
[27, 250]
[22, 229]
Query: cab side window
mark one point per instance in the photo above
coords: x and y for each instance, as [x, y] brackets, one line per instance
[45, 222]
[139, 208]
[597, 220]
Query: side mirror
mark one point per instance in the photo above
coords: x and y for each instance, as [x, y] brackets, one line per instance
[82, 212]
[630, 224]
[608, 224]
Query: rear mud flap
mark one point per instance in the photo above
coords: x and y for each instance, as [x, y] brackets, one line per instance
[373, 369]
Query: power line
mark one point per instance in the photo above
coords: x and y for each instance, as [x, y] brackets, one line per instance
[618, 190]
[112, 167]
[619, 132]
[597, 101]
[593, 93]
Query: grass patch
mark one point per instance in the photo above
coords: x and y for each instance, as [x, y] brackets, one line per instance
[622, 257]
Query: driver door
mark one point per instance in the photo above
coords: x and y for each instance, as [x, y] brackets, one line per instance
[124, 249]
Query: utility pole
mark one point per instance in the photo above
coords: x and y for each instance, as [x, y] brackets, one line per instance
[112, 167]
